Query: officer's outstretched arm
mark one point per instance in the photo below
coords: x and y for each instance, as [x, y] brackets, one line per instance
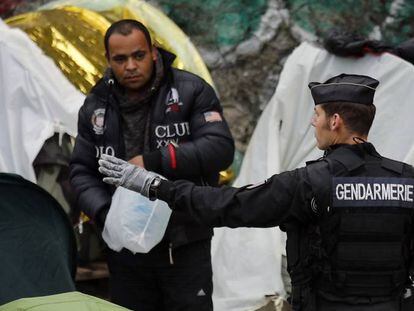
[263, 205]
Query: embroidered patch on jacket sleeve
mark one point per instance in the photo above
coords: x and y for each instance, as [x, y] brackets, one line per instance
[212, 116]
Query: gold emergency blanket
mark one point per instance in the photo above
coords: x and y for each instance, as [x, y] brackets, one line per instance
[73, 37]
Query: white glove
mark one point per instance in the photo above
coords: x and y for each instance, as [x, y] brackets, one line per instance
[127, 175]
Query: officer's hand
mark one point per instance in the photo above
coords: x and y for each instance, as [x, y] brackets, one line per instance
[122, 173]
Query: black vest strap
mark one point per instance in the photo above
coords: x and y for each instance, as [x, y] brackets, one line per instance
[392, 165]
[347, 158]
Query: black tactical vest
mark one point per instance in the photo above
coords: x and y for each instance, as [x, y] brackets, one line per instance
[364, 206]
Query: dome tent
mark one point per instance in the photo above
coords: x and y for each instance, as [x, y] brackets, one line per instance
[62, 302]
[36, 242]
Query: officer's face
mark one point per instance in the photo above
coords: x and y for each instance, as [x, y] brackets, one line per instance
[131, 59]
[320, 122]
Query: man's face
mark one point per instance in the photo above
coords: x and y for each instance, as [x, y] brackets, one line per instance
[323, 133]
[131, 59]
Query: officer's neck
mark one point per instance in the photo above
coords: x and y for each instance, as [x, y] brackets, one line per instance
[348, 139]
[355, 139]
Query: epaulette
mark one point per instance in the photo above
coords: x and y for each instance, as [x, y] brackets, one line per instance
[392, 165]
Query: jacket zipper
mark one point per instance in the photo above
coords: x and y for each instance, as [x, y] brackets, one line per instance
[170, 254]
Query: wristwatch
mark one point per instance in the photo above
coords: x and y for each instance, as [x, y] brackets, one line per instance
[152, 193]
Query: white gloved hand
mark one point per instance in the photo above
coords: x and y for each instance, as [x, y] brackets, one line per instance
[127, 175]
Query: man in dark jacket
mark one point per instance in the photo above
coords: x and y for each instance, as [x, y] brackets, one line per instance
[168, 121]
[348, 216]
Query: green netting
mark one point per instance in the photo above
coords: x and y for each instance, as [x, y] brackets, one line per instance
[318, 16]
[360, 16]
[401, 27]
[216, 22]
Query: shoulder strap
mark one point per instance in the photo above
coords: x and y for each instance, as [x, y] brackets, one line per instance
[393, 165]
[347, 158]
[318, 174]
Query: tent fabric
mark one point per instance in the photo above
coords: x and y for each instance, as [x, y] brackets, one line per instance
[247, 262]
[37, 243]
[37, 100]
[62, 302]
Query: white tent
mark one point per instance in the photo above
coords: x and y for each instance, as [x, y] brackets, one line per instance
[247, 262]
[36, 101]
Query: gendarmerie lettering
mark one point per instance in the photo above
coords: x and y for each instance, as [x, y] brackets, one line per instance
[374, 191]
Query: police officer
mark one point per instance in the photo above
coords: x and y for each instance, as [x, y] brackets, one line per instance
[348, 216]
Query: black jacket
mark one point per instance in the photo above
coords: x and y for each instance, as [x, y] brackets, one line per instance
[306, 203]
[189, 139]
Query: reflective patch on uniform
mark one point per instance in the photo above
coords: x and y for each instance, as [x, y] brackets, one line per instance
[373, 191]
[249, 187]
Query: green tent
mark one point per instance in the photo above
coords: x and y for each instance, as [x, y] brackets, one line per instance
[37, 244]
[62, 302]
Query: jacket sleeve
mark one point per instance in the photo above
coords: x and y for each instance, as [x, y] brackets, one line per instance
[265, 205]
[211, 148]
[92, 194]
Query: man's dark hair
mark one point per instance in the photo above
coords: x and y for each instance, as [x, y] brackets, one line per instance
[125, 27]
[358, 118]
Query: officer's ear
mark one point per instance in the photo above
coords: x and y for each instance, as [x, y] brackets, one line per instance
[335, 121]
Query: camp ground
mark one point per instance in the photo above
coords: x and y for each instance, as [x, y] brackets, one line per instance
[38, 116]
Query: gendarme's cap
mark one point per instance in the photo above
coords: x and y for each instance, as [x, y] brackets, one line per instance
[344, 88]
